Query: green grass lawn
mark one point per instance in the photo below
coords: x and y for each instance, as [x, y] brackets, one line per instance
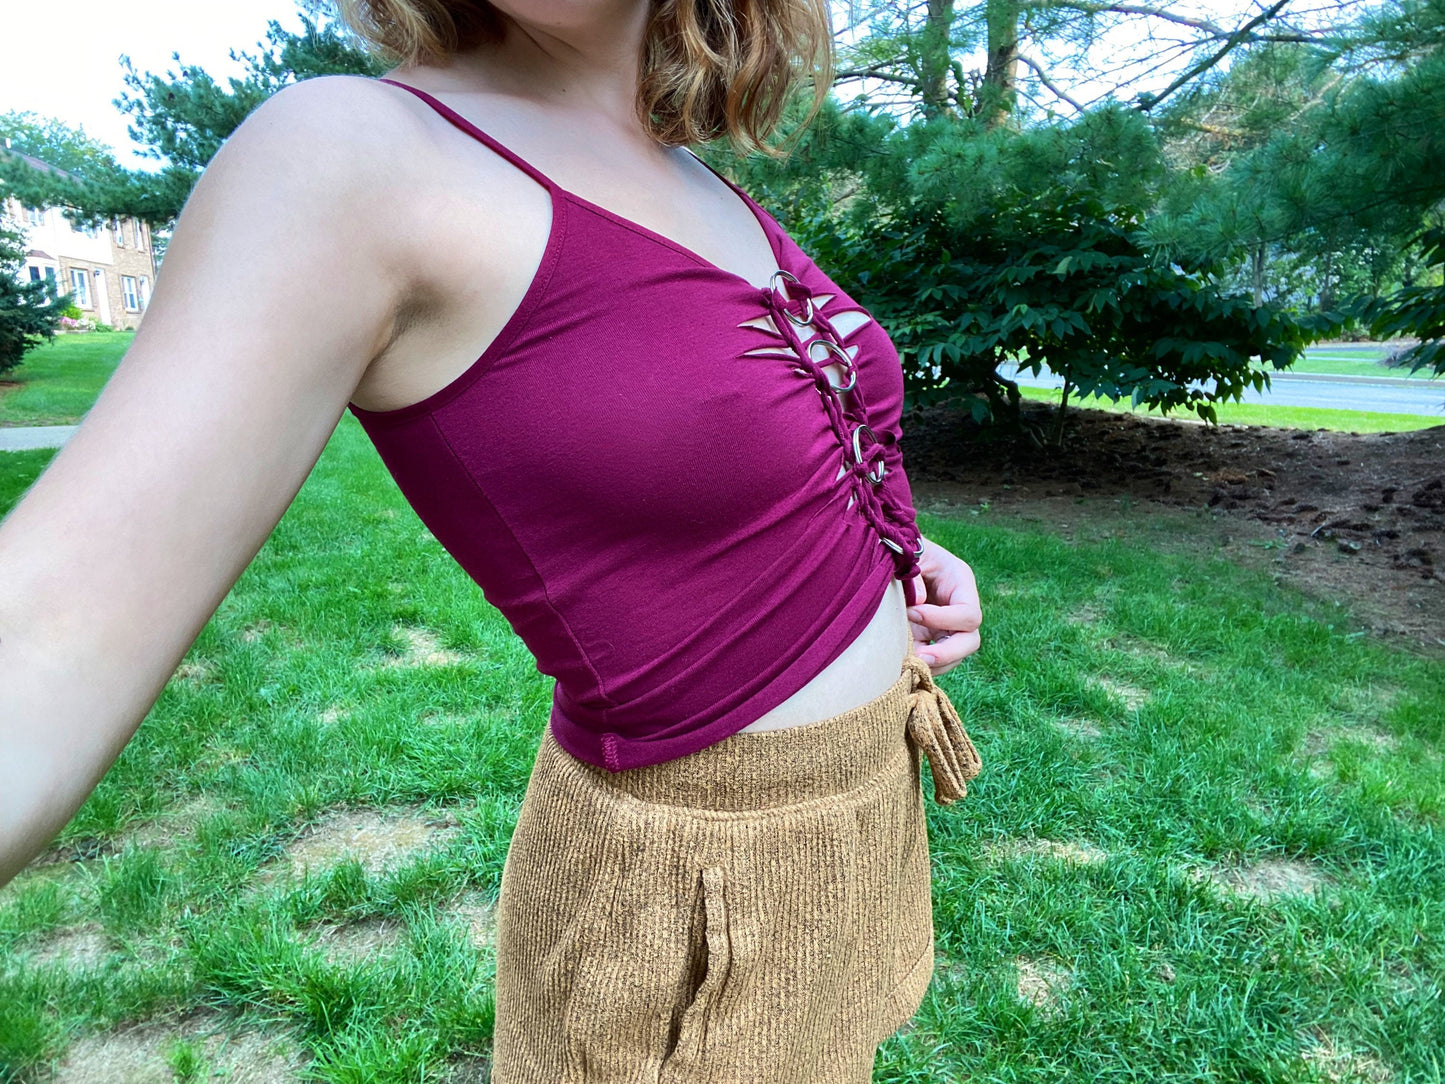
[1345, 421]
[59, 380]
[1338, 360]
[1206, 844]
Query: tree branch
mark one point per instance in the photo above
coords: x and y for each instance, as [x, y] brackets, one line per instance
[1238, 38]
[1048, 84]
[1212, 30]
[871, 73]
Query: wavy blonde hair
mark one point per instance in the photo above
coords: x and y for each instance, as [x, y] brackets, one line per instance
[709, 68]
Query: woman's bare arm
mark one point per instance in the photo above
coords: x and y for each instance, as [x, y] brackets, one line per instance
[280, 285]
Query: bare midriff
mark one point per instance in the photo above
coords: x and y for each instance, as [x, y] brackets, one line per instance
[867, 668]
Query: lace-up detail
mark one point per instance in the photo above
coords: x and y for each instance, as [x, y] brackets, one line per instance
[823, 357]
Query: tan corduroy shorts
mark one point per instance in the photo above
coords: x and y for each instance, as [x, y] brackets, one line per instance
[755, 913]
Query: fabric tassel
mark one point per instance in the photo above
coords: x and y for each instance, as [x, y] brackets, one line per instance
[934, 726]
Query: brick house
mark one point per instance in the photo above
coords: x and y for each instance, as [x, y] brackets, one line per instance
[108, 272]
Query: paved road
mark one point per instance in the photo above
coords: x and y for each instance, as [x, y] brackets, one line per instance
[1375, 394]
[34, 436]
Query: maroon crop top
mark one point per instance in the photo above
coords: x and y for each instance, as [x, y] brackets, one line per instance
[684, 492]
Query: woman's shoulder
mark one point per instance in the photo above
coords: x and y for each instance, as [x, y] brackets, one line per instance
[341, 126]
[338, 152]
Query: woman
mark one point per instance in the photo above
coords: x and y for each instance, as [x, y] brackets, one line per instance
[655, 433]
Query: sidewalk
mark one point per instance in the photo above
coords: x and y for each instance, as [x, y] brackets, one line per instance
[1341, 378]
[24, 437]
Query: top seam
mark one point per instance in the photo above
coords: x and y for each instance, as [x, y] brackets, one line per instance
[546, 595]
[661, 240]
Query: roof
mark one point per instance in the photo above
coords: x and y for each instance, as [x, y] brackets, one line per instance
[36, 254]
[39, 164]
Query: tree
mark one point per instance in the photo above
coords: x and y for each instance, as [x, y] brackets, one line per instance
[183, 116]
[1054, 55]
[29, 312]
[1334, 161]
[978, 244]
[982, 232]
[180, 118]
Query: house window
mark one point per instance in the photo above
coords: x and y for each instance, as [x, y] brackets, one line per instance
[80, 286]
[34, 273]
[132, 297]
[140, 236]
[35, 216]
[119, 228]
[145, 292]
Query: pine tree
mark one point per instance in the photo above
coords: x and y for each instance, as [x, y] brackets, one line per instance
[29, 312]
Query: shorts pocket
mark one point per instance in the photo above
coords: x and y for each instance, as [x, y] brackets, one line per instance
[716, 946]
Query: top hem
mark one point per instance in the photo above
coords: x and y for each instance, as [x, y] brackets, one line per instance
[616, 752]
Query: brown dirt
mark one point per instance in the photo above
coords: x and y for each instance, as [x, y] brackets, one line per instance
[1041, 982]
[79, 948]
[1062, 851]
[332, 714]
[1077, 727]
[139, 1054]
[468, 1070]
[480, 916]
[356, 941]
[1132, 696]
[1267, 880]
[1337, 1063]
[420, 647]
[176, 824]
[1359, 516]
[379, 841]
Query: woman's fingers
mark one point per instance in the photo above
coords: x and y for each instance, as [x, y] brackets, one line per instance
[943, 655]
[953, 631]
[964, 615]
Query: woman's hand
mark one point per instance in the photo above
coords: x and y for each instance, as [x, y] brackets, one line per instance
[951, 615]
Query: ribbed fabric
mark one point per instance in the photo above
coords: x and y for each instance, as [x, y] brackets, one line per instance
[756, 913]
[684, 490]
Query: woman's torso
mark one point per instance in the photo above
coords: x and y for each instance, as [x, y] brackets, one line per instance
[486, 226]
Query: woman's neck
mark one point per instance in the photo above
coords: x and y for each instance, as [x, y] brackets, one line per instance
[591, 61]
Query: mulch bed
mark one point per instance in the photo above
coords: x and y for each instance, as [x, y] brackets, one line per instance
[1375, 498]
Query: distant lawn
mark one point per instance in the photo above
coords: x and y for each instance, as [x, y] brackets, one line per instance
[1206, 844]
[1352, 361]
[59, 380]
[1345, 421]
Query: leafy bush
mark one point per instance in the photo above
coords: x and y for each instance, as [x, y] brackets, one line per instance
[978, 246]
[1416, 310]
[29, 312]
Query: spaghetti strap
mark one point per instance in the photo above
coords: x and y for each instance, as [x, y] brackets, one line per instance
[472, 130]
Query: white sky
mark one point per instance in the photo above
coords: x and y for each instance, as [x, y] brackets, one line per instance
[63, 60]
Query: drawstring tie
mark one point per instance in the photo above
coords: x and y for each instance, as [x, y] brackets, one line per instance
[934, 726]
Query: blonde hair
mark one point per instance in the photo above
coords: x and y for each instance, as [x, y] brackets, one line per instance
[709, 68]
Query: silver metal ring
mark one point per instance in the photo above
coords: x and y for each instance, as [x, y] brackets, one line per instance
[843, 357]
[894, 546]
[919, 551]
[858, 443]
[788, 276]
